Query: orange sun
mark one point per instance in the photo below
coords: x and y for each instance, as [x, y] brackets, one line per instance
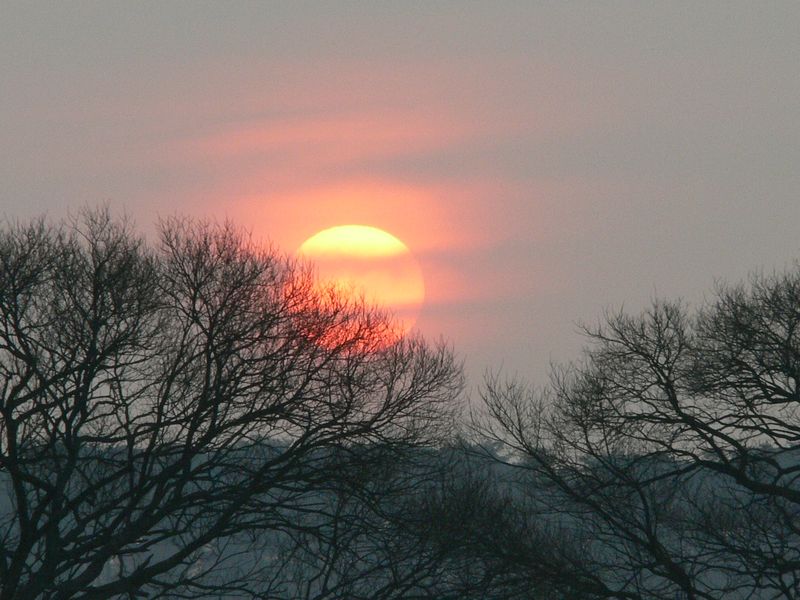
[369, 262]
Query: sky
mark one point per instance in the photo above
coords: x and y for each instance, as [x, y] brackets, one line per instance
[544, 161]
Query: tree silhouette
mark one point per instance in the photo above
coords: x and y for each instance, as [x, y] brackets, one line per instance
[668, 458]
[174, 419]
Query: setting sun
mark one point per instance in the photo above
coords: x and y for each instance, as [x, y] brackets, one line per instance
[369, 261]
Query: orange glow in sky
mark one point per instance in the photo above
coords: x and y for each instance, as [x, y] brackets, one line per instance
[369, 262]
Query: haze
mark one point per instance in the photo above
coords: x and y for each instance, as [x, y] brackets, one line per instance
[543, 162]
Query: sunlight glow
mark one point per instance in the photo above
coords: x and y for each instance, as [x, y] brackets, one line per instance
[369, 262]
[353, 240]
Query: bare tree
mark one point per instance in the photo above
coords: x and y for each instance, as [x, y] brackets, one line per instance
[669, 456]
[174, 418]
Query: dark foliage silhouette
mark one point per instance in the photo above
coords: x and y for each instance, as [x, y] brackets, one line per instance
[172, 425]
[668, 458]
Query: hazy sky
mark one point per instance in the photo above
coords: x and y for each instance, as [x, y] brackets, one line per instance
[543, 161]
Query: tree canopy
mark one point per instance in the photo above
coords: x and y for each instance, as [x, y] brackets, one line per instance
[668, 459]
[173, 414]
[196, 418]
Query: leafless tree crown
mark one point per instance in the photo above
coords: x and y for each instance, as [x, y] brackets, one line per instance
[668, 458]
[173, 416]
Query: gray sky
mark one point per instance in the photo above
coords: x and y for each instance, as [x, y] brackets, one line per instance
[543, 161]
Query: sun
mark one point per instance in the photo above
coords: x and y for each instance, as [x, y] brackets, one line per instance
[369, 262]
